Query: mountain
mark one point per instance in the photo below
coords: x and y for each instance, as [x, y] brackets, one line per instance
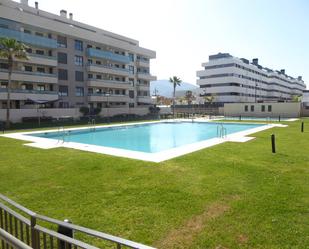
[165, 88]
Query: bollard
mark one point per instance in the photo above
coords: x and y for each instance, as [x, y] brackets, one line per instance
[273, 143]
[302, 126]
[67, 232]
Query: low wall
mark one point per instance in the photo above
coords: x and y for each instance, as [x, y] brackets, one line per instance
[16, 115]
[285, 110]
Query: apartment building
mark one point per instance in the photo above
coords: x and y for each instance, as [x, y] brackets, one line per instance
[71, 64]
[232, 79]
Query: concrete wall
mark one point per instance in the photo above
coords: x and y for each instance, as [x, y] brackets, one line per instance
[18, 114]
[288, 110]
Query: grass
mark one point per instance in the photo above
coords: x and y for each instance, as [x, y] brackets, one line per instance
[233, 195]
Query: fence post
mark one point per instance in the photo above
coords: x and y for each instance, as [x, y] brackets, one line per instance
[67, 232]
[273, 143]
[35, 240]
[302, 126]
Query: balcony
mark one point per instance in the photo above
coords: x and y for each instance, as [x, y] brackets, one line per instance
[37, 41]
[142, 62]
[40, 60]
[146, 76]
[21, 94]
[109, 83]
[144, 99]
[91, 52]
[108, 69]
[101, 97]
[34, 77]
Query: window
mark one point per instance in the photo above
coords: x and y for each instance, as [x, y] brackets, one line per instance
[38, 34]
[79, 91]
[78, 60]
[131, 57]
[89, 46]
[89, 61]
[131, 105]
[131, 69]
[90, 75]
[27, 31]
[40, 69]
[263, 108]
[28, 68]
[62, 74]
[62, 41]
[63, 91]
[78, 45]
[62, 58]
[99, 77]
[40, 52]
[4, 85]
[131, 94]
[4, 66]
[269, 108]
[79, 76]
[252, 108]
[98, 62]
[41, 88]
[63, 104]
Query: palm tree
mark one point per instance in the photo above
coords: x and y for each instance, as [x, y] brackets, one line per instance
[11, 49]
[176, 82]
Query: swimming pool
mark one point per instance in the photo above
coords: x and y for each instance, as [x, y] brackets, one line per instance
[154, 141]
[150, 138]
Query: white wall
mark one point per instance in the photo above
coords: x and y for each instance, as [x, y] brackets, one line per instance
[16, 115]
[288, 110]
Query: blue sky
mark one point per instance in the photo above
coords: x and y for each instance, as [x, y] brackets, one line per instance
[185, 32]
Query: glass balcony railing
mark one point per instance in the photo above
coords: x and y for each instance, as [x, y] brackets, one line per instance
[109, 67]
[29, 91]
[30, 73]
[28, 39]
[42, 56]
[106, 95]
[110, 81]
[91, 52]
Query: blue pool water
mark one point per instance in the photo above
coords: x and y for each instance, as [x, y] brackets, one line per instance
[151, 138]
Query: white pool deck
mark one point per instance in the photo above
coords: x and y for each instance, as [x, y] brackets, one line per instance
[48, 143]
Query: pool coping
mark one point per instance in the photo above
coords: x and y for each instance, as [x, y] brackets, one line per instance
[48, 143]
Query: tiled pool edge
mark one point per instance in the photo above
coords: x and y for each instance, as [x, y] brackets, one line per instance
[47, 143]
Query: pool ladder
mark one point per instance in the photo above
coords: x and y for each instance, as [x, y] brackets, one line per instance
[62, 134]
[92, 124]
[221, 131]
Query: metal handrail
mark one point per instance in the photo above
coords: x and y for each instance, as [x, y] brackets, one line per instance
[34, 217]
[12, 241]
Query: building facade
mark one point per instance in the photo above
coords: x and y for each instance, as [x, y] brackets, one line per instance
[71, 64]
[231, 79]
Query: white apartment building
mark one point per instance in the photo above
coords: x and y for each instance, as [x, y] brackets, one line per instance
[72, 64]
[232, 79]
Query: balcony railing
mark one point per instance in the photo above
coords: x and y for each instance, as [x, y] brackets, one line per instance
[110, 67]
[42, 56]
[107, 95]
[28, 39]
[91, 52]
[29, 73]
[29, 91]
[111, 81]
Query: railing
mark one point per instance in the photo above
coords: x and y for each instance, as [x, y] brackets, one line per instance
[42, 56]
[10, 240]
[30, 73]
[91, 52]
[110, 81]
[29, 39]
[109, 67]
[105, 95]
[32, 235]
[28, 91]
[221, 131]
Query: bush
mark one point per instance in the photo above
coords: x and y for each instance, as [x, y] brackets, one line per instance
[84, 110]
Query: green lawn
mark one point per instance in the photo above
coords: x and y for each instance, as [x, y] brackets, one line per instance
[233, 195]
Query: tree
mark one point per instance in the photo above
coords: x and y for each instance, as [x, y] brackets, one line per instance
[176, 82]
[11, 49]
[296, 98]
[210, 99]
[189, 97]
